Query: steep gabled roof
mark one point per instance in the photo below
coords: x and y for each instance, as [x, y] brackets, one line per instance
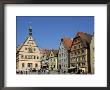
[55, 52]
[84, 42]
[44, 51]
[67, 42]
[21, 45]
[48, 52]
[84, 36]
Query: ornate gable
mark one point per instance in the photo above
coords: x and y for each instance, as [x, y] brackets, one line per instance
[51, 54]
[29, 46]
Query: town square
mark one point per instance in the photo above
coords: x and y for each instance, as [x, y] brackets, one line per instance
[73, 54]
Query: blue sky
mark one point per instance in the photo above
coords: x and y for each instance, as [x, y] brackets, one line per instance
[48, 30]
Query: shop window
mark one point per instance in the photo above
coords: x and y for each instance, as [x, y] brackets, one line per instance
[30, 65]
[36, 65]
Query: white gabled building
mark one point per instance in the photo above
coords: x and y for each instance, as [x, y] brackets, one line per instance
[63, 55]
[28, 55]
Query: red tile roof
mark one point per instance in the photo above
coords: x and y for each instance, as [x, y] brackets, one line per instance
[67, 42]
[84, 36]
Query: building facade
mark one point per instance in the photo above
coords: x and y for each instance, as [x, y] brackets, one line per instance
[92, 55]
[28, 55]
[63, 55]
[80, 53]
[53, 60]
[45, 58]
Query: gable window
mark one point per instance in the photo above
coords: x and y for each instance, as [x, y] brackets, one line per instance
[21, 56]
[32, 42]
[30, 50]
[74, 47]
[25, 48]
[75, 41]
[37, 57]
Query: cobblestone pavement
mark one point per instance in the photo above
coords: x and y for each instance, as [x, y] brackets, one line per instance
[44, 72]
